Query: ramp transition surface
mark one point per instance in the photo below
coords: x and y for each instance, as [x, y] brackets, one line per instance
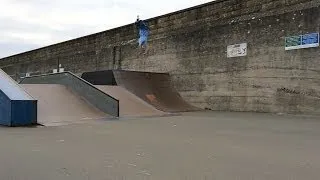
[130, 104]
[154, 88]
[58, 105]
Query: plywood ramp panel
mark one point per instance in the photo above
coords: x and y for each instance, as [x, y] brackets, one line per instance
[130, 104]
[59, 105]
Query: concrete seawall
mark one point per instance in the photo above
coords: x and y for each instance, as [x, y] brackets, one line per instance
[192, 46]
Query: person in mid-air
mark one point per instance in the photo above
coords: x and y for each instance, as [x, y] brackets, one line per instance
[143, 34]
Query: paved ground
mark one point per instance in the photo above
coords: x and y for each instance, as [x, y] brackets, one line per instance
[219, 146]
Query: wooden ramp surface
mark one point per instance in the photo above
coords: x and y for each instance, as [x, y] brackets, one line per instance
[58, 105]
[130, 104]
[154, 88]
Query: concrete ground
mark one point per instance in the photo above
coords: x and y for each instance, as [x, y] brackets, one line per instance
[211, 145]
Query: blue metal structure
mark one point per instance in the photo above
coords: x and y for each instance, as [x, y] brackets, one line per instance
[17, 108]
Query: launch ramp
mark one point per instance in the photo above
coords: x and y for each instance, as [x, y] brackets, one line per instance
[85, 90]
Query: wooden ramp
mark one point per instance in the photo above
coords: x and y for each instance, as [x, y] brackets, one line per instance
[58, 105]
[154, 88]
[130, 104]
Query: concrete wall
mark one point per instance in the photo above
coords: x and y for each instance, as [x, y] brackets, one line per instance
[192, 46]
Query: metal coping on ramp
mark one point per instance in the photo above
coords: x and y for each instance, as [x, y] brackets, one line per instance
[17, 107]
[154, 88]
[93, 95]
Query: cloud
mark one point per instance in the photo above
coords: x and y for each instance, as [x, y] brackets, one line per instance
[30, 24]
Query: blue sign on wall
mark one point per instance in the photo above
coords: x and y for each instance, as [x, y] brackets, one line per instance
[302, 41]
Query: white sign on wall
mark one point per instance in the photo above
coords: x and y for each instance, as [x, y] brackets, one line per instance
[237, 50]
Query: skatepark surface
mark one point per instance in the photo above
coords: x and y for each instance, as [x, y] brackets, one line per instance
[130, 105]
[206, 145]
[58, 105]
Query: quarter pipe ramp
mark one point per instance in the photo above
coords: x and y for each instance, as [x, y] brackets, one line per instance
[154, 88]
[130, 105]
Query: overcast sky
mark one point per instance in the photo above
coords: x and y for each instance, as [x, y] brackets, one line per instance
[30, 24]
